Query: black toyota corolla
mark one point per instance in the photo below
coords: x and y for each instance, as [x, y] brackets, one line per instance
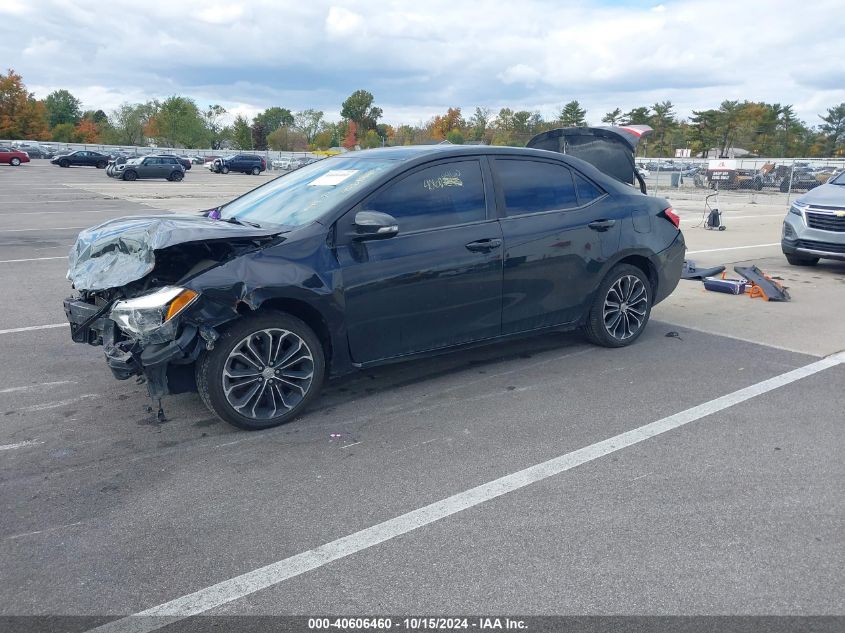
[369, 258]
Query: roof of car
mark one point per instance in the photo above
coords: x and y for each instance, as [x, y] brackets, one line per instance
[408, 152]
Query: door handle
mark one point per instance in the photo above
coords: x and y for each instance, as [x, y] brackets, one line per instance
[484, 246]
[601, 225]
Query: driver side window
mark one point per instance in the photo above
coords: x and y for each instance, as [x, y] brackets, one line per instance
[443, 195]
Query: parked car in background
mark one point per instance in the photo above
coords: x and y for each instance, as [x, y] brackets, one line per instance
[197, 160]
[155, 166]
[244, 163]
[183, 160]
[82, 158]
[33, 150]
[365, 259]
[12, 156]
[814, 228]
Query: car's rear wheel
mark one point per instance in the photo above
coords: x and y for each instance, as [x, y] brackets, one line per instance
[798, 260]
[621, 307]
[130, 175]
[176, 176]
[262, 372]
[224, 169]
[15, 161]
[256, 171]
[101, 165]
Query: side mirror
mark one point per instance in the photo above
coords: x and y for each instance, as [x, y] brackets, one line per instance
[373, 225]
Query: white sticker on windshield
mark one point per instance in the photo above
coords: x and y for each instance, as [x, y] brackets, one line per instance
[333, 177]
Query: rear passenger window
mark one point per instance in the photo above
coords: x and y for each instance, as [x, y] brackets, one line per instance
[443, 195]
[587, 191]
[531, 186]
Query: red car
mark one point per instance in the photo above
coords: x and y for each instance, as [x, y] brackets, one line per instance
[12, 156]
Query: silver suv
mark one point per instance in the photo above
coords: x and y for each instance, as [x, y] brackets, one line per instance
[814, 228]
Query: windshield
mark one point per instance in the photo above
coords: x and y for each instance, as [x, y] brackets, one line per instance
[304, 195]
[839, 179]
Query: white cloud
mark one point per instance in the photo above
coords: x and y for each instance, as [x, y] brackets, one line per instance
[420, 58]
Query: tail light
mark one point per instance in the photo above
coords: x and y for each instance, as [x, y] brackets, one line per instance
[669, 214]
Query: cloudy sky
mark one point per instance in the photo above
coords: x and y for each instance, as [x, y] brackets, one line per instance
[420, 57]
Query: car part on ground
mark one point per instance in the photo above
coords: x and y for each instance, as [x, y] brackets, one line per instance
[763, 285]
[369, 258]
[691, 271]
[814, 227]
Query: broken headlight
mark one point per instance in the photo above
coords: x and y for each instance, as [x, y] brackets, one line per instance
[142, 316]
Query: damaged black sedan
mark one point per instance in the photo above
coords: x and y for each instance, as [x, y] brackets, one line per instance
[364, 259]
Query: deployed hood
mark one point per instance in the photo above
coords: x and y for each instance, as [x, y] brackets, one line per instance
[609, 149]
[122, 250]
[826, 195]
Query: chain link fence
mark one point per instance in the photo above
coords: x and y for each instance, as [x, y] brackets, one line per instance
[749, 180]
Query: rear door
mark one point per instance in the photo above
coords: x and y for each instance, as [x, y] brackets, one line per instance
[558, 232]
[439, 281]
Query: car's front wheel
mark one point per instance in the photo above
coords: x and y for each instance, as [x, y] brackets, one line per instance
[621, 307]
[262, 372]
[64, 163]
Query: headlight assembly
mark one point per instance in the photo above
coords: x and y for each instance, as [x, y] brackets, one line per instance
[143, 317]
[797, 208]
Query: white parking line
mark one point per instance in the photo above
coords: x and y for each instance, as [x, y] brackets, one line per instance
[32, 328]
[274, 573]
[732, 248]
[31, 259]
[50, 228]
[10, 447]
[41, 384]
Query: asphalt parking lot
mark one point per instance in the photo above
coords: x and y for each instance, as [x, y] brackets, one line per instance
[733, 505]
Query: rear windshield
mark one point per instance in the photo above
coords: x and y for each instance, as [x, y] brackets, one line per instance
[306, 194]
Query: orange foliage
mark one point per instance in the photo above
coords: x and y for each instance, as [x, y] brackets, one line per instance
[88, 132]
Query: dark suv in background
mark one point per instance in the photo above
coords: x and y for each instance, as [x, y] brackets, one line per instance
[244, 163]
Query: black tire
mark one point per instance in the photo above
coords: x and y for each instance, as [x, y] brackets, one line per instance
[619, 334]
[176, 176]
[224, 169]
[254, 331]
[256, 171]
[798, 260]
[784, 185]
[130, 175]
[101, 165]
[15, 162]
[64, 163]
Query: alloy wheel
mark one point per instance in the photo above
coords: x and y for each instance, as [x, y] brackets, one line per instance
[268, 373]
[625, 307]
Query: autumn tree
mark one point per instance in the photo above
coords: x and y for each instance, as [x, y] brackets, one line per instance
[441, 125]
[572, 115]
[21, 115]
[62, 107]
[351, 138]
[127, 123]
[86, 131]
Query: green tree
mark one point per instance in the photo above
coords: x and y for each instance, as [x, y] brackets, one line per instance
[613, 118]
[478, 123]
[636, 116]
[217, 131]
[359, 108]
[178, 123]
[573, 115]
[65, 133]
[662, 121]
[62, 107]
[833, 130]
[127, 123]
[259, 134]
[274, 118]
[241, 133]
[455, 137]
[308, 122]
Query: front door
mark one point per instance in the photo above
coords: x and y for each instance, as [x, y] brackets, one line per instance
[439, 281]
